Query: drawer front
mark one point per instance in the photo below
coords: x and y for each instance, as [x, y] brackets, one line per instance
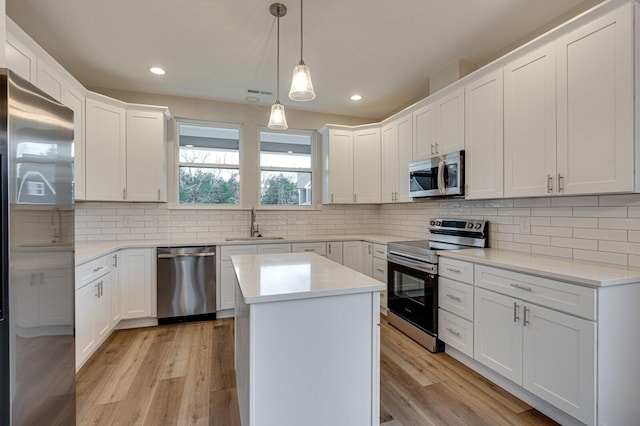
[559, 295]
[455, 269]
[319, 248]
[455, 332]
[380, 270]
[380, 251]
[91, 270]
[227, 251]
[274, 248]
[456, 297]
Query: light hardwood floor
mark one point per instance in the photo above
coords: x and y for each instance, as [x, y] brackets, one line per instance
[183, 375]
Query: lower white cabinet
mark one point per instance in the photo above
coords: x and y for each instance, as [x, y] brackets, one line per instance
[367, 259]
[352, 254]
[137, 278]
[318, 248]
[226, 297]
[334, 251]
[549, 353]
[274, 248]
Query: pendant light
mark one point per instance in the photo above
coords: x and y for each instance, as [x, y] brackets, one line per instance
[301, 86]
[277, 120]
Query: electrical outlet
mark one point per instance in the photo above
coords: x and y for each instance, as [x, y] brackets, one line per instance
[525, 225]
[127, 221]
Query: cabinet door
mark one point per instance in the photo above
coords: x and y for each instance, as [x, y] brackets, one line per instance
[595, 106]
[380, 269]
[334, 251]
[74, 100]
[274, 248]
[559, 360]
[114, 291]
[20, 59]
[85, 321]
[105, 151]
[366, 166]
[227, 286]
[367, 259]
[405, 156]
[450, 122]
[318, 248]
[103, 307]
[483, 136]
[424, 132]
[136, 283]
[389, 135]
[352, 254]
[498, 333]
[530, 124]
[146, 156]
[339, 174]
[48, 80]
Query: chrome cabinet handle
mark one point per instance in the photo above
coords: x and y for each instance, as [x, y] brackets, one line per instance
[380, 270]
[521, 287]
[560, 183]
[457, 271]
[525, 321]
[97, 287]
[329, 247]
[452, 331]
[516, 310]
[549, 183]
[354, 198]
[158, 195]
[332, 197]
[98, 268]
[456, 298]
[115, 260]
[124, 193]
[308, 250]
[437, 149]
[432, 149]
[369, 247]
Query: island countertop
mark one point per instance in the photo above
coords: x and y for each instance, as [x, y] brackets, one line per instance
[288, 276]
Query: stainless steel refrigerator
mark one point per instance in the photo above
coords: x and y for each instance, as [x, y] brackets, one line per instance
[37, 344]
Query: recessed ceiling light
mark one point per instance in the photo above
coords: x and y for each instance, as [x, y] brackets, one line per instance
[356, 97]
[157, 70]
[252, 99]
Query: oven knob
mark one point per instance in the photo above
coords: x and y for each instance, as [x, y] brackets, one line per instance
[478, 225]
[469, 225]
[438, 223]
[433, 222]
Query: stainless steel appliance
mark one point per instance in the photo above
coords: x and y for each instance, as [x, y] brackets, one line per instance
[437, 176]
[37, 344]
[412, 280]
[186, 284]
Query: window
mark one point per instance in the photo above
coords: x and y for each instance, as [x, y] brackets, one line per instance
[286, 168]
[209, 164]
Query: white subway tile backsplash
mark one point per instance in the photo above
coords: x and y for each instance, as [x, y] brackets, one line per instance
[577, 222]
[619, 247]
[600, 234]
[619, 223]
[532, 239]
[554, 231]
[552, 251]
[574, 243]
[600, 211]
[532, 202]
[552, 211]
[574, 201]
[599, 256]
[619, 200]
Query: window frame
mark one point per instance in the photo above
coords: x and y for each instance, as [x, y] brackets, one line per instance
[314, 170]
[175, 204]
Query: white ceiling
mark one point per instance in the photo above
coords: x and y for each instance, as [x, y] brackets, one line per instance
[217, 49]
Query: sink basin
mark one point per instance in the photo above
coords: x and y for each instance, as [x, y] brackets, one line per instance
[253, 238]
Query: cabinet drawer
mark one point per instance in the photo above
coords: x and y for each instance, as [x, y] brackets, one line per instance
[91, 270]
[380, 251]
[455, 297]
[227, 251]
[559, 295]
[380, 269]
[455, 332]
[319, 248]
[455, 269]
[274, 248]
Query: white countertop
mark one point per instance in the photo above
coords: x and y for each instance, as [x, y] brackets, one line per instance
[86, 251]
[277, 277]
[576, 271]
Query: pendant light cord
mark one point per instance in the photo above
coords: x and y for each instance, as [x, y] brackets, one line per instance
[301, 32]
[278, 63]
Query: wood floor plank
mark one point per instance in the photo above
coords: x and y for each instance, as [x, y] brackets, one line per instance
[166, 402]
[224, 408]
[102, 414]
[223, 374]
[178, 357]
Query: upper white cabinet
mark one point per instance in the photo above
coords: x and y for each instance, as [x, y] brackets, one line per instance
[439, 126]
[351, 165]
[484, 136]
[74, 100]
[146, 153]
[125, 151]
[48, 80]
[20, 59]
[595, 106]
[530, 124]
[397, 142]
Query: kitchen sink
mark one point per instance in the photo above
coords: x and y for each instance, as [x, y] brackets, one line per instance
[253, 238]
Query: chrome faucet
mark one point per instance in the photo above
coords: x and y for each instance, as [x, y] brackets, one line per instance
[254, 230]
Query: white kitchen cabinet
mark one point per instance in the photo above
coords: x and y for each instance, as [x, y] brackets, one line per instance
[549, 353]
[397, 142]
[137, 283]
[146, 161]
[439, 126]
[105, 149]
[595, 106]
[317, 247]
[530, 124]
[114, 291]
[226, 297]
[48, 80]
[334, 251]
[367, 259]
[20, 59]
[337, 146]
[352, 254]
[484, 136]
[74, 100]
[274, 248]
[366, 166]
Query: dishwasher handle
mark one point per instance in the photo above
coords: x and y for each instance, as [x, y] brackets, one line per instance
[174, 255]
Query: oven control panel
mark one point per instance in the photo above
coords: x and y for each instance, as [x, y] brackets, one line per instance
[443, 225]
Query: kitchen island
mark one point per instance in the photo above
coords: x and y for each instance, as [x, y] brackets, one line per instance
[307, 341]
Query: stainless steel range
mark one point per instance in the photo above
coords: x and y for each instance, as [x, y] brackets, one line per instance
[412, 278]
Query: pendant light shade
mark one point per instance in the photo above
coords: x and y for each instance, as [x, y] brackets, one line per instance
[301, 85]
[277, 119]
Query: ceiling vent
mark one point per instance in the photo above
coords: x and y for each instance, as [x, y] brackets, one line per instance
[259, 92]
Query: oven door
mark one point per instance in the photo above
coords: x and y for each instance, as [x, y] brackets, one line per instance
[413, 292]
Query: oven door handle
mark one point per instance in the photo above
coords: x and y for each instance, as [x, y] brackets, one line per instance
[442, 186]
[420, 266]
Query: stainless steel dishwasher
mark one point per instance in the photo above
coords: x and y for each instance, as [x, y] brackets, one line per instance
[186, 284]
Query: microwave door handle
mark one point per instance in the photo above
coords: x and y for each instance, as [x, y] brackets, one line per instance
[441, 183]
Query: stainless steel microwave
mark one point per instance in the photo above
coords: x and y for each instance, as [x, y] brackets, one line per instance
[437, 176]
